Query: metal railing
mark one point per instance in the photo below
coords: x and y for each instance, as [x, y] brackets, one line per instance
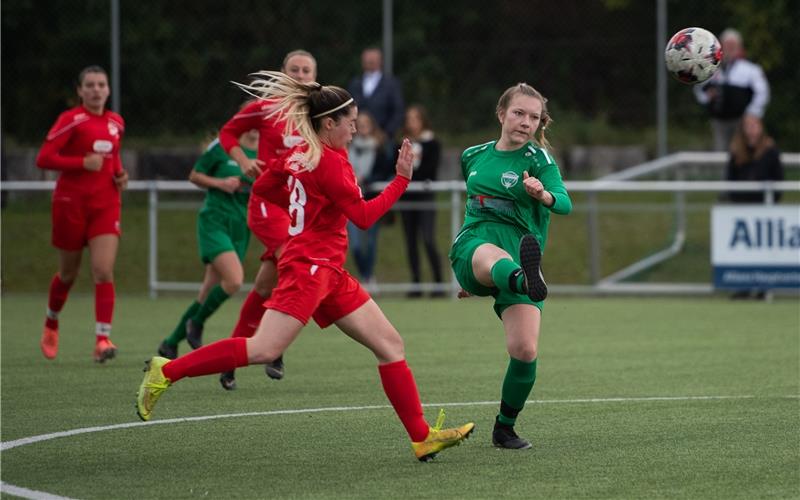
[615, 183]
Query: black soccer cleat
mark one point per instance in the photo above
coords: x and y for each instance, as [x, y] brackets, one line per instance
[530, 257]
[503, 436]
[227, 380]
[194, 334]
[167, 351]
[274, 370]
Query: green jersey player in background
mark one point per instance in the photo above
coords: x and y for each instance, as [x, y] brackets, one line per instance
[222, 236]
[513, 184]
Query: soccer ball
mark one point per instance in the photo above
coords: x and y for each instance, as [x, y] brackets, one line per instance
[692, 55]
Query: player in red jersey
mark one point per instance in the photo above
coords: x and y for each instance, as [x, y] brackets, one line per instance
[83, 145]
[312, 281]
[266, 220]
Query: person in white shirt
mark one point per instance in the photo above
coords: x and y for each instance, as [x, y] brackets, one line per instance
[738, 88]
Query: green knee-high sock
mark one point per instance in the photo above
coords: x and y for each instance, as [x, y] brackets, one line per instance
[517, 386]
[215, 299]
[180, 331]
[508, 276]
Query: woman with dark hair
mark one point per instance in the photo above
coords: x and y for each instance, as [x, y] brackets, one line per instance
[422, 222]
[83, 145]
[754, 157]
[312, 282]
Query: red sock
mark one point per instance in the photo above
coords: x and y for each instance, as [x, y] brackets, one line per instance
[104, 302]
[401, 389]
[56, 299]
[250, 315]
[218, 357]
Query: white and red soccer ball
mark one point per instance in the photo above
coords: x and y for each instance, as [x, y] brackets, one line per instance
[693, 55]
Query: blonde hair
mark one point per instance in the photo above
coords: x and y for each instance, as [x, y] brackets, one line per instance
[525, 89]
[302, 105]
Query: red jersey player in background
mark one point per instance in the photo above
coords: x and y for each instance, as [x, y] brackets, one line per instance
[269, 222]
[312, 281]
[84, 145]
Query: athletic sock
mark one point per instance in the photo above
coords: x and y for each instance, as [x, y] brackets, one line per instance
[55, 300]
[401, 389]
[218, 357]
[179, 333]
[517, 386]
[250, 315]
[215, 299]
[104, 302]
[508, 276]
[102, 330]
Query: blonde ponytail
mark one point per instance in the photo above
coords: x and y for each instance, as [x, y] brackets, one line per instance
[302, 105]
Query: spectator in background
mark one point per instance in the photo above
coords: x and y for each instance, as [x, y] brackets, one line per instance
[422, 222]
[754, 157]
[83, 146]
[738, 88]
[369, 163]
[380, 95]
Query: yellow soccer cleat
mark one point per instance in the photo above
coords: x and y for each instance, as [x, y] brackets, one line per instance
[439, 439]
[153, 385]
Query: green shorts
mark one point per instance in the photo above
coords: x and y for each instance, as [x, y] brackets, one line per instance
[218, 233]
[502, 235]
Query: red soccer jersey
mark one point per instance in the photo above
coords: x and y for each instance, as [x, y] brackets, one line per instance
[76, 133]
[271, 144]
[320, 202]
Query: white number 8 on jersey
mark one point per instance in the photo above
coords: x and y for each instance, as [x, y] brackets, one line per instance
[297, 203]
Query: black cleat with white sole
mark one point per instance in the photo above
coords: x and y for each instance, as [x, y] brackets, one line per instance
[167, 351]
[503, 436]
[228, 380]
[274, 369]
[194, 334]
[530, 257]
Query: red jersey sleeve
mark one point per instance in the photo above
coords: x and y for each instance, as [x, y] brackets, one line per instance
[50, 156]
[271, 184]
[117, 168]
[248, 118]
[343, 191]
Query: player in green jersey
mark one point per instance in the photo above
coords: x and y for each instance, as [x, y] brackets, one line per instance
[513, 184]
[222, 235]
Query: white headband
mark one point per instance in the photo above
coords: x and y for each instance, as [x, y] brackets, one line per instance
[337, 108]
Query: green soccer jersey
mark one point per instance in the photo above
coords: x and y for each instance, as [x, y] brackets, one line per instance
[216, 163]
[495, 191]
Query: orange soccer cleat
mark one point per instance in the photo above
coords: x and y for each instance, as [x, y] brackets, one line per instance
[104, 350]
[49, 343]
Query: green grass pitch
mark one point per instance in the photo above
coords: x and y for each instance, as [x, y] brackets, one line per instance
[635, 398]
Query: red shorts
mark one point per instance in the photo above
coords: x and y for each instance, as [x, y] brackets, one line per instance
[77, 218]
[269, 224]
[306, 290]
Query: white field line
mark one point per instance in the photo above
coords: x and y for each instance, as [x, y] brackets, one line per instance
[7, 445]
[40, 495]
[10, 489]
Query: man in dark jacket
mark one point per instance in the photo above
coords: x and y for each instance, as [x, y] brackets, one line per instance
[379, 94]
